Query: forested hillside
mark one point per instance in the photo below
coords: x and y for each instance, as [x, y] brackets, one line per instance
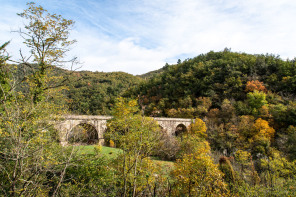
[95, 92]
[240, 97]
[87, 92]
[219, 76]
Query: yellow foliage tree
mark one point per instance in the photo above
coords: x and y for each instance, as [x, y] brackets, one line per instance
[47, 37]
[262, 127]
[198, 128]
[197, 175]
[261, 138]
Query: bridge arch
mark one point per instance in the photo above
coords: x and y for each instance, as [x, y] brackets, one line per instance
[83, 132]
[180, 129]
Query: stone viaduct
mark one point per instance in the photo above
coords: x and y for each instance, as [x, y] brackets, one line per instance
[98, 125]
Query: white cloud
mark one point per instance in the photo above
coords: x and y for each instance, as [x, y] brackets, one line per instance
[105, 54]
[140, 36]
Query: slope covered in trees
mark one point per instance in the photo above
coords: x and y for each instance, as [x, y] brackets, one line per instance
[87, 92]
[95, 92]
[217, 75]
[247, 101]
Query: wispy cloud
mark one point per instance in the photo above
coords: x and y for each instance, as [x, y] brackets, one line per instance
[140, 36]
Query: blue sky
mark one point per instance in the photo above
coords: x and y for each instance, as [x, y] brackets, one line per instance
[138, 36]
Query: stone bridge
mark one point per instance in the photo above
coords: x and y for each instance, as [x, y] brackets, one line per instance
[97, 125]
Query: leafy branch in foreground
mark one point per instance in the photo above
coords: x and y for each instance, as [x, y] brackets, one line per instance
[32, 162]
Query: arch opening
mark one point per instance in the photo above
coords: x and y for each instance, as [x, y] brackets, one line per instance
[180, 130]
[83, 133]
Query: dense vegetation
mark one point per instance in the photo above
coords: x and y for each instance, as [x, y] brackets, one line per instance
[241, 142]
[218, 76]
[248, 105]
[227, 90]
[86, 92]
[95, 92]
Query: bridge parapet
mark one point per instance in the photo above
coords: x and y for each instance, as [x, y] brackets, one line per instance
[173, 119]
[86, 117]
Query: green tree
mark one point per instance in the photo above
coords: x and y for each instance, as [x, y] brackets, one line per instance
[47, 37]
[32, 162]
[136, 136]
[256, 100]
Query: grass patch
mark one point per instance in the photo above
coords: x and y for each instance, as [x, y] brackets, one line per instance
[85, 149]
[109, 152]
[90, 150]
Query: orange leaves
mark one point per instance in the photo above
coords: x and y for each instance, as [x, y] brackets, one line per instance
[255, 85]
[263, 128]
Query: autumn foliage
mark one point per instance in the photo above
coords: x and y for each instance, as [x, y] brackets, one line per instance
[262, 128]
[255, 85]
[199, 128]
[197, 175]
